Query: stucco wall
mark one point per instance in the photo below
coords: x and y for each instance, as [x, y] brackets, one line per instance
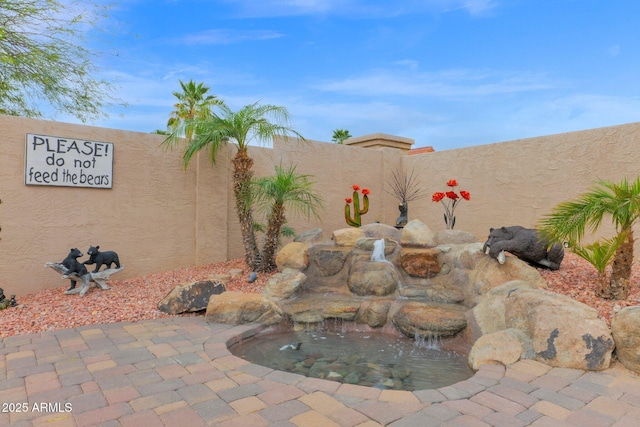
[159, 216]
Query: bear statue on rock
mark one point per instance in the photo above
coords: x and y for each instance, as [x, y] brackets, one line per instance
[99, 258]
[72, 265]
[524, 243]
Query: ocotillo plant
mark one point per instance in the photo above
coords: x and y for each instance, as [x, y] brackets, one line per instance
[356, 221]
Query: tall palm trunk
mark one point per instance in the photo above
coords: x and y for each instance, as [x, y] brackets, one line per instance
[242, 175]
[621, 268]
[272, 238]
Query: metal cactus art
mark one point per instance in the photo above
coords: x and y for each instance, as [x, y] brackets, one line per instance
[356, 220]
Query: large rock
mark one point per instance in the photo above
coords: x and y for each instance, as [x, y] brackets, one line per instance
[563, 332]
[283, 285]
[374, 313]
[318, 308]
[424, 319]
[190, 297]
[347, 236]
[625, 325]
[381, 231]
[368, 244]
[237, 308]
[488, 316]
[293, 255]
[505, 347]
[420, 262]
[489, 273]
[417, 234]
[372, 278]
[314, 236]
[455, 237]
[328, 260]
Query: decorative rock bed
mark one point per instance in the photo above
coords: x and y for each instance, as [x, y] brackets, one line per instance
[430, 284]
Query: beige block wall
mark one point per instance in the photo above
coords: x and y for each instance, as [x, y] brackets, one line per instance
[159, 217]
[150, 217]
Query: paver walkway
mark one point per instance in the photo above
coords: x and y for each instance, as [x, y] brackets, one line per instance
[178, 372]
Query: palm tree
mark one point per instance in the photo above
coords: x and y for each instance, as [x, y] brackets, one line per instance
[286, 190]
[193, 103]
[253, 122]
[569, 221]
[340, 135]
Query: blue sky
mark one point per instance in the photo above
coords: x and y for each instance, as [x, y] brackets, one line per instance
[447, 73]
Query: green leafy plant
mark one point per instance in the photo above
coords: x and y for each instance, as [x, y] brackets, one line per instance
[356, 220]
[600, 254]
[569, 221]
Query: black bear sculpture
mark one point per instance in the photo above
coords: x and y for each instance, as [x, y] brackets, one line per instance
[72, 265]
[99, 258]
[524, 243]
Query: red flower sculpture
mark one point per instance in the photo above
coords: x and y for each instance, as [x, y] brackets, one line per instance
[355, 187]
[452, 201]
[366, 191]
[348, 200]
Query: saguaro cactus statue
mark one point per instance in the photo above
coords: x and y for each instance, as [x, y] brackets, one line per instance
[356, 221]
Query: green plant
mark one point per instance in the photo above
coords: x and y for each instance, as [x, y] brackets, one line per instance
[600, 254]
[356, 220]
[259, 122]
[619, 201]
[340, 135]
[287, 190]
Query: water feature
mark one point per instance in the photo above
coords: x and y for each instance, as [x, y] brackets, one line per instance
[370, 359]
[378, 251]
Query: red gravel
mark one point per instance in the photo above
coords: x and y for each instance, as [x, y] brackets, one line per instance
[127, 300]
[137, 299]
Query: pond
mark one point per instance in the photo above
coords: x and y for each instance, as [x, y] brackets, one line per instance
[377, 360]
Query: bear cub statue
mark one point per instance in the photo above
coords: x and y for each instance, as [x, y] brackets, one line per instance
[524, 243]
[99, 258]
[72, 265]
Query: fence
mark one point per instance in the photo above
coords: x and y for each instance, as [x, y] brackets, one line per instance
[159, 216]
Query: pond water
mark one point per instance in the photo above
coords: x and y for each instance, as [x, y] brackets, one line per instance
[369, 359]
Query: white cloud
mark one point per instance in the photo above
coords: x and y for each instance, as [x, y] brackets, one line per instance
[225, 36]
[445, 84]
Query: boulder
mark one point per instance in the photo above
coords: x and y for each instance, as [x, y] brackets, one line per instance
[489, 274]
[283, 285]
[455, 237]
[367, 244]
[625, 325]
[190, 297]
[237, 308]
[293, 255]
[374, 313]
[311, 237]
[318, 308]
[328, 260]
[372, 278]
[381, 231]
[487, 316]
[420, 262]
[347, 236]
[505, 347]
[417, 234]
[564, 332]
[424, 319]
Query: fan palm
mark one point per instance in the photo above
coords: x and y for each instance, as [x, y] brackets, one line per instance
[620, 201]
[193, 103]
[285, 191]
[252, 122]
[340, 135]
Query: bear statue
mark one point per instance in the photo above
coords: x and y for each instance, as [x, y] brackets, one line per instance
[72, 265]
[524, 243]
[99, 258]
